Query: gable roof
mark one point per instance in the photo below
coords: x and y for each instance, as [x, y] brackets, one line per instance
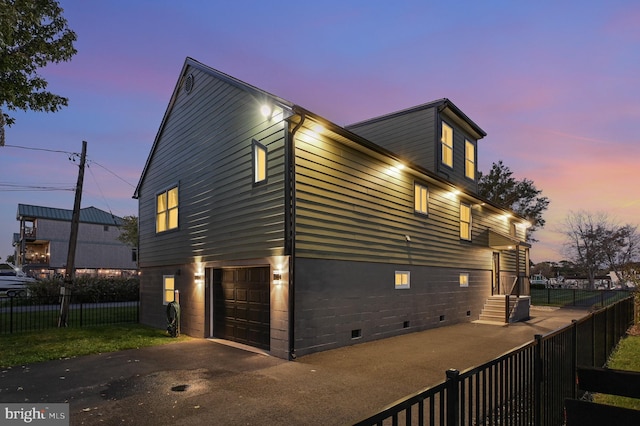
[444, 105]
[192, 63]
[87, 215]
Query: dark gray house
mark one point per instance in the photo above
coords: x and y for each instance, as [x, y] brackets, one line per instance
[284, 231]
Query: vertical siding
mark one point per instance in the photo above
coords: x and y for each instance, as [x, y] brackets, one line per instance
[205, 148]
[351, 206]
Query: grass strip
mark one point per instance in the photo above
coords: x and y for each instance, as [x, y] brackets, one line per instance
[60, 343]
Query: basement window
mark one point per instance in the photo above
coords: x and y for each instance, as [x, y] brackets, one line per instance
[464, 279]
[403, 280]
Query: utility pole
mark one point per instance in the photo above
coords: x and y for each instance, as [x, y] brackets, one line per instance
[70, 273]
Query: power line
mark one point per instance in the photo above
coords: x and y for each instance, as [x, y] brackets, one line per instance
[100, 189]
[41, 149]
[113, 173]
[8, 187]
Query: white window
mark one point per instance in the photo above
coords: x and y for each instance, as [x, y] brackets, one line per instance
[447, 145]
[168, 289]
[465, 222]
[469, 160]
[259, 162]
[167, 210]
[403, 279]
[421, 199]
[464, 280]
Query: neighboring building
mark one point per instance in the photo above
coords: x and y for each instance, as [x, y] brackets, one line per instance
[42, 246]
[287, 232]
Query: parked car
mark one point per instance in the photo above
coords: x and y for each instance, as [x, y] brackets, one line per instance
[13, 281]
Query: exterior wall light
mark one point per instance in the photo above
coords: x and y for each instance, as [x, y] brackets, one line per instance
[199, 279]
[277, 277]
[265, 110]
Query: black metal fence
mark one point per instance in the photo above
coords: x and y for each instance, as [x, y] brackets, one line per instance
[20, 314]
[526, 386]
[576, 297]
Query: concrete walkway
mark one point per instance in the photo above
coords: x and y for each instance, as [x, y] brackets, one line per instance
[201, 382]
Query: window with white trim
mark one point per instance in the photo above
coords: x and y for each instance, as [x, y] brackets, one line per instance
[167, 210]
[465, 222]
[421, 199]
[447, 145]
[469, 160]
[259, 162]
[168, 289]
[403, 279]
[464, 279]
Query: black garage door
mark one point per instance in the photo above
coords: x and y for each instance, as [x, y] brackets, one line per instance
[241, 305]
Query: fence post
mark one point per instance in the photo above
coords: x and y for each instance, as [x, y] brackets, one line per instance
[506, 309]
[537, 381]
[574, 358]
[453, 399]
[593, 339]
[10, 314]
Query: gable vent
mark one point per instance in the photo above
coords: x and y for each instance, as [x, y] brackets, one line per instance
[188, 83]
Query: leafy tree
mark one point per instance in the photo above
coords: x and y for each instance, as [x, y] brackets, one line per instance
[129, 231]
[521, 196]
[621, 247]
[33, 33]
[594, 242]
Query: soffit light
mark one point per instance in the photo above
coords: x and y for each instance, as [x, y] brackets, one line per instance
[265, 110]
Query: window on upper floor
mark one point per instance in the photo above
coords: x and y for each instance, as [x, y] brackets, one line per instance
[465, 222]
[469, 160]
[447, 145]
[167, 210]
[421, 199]
[259, 162]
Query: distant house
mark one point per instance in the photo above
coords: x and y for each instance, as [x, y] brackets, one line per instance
[284, 231]
[42, 245]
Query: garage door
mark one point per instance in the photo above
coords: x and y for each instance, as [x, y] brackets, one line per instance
[241, 308]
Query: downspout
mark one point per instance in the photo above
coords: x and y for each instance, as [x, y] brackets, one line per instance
[518, 282]
[290, 220]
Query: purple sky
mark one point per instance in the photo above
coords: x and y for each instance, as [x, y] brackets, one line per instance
[556, 85]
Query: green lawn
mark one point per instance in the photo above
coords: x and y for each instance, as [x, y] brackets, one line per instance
[625, 357]
[58, 343]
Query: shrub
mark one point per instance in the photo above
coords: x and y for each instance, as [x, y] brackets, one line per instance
[90, 289]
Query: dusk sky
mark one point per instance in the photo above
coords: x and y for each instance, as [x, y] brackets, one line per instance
[555, 84]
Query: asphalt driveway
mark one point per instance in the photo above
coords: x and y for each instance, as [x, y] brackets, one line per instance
[202, 382]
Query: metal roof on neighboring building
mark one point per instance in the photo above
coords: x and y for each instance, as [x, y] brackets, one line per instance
[87, 215]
